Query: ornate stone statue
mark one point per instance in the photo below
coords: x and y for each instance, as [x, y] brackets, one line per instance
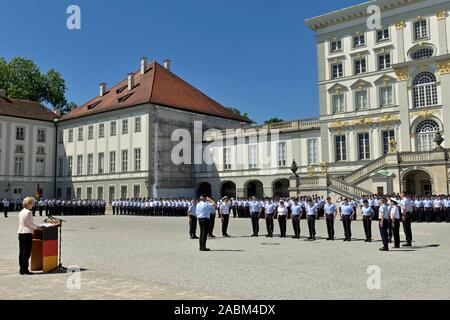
[439, 139]
[392, 146]
[311, 170]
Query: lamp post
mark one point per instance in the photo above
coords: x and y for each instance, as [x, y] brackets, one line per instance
[55, 157]
[294, 169]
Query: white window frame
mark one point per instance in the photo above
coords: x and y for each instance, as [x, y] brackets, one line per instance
[364, 149]
[101, 130]
[101, 163]
[339, 71]
[282, 154]
[358, 99]
[137, 159]
[342, 106]
[112, 162]
[227, 160]
[252, 156]
[359, 67]
[125, 126]
[137, 124]
[79, 165]
[343, 149]
[382, 96]
[124, 160]
[386, 65]
[312, 147]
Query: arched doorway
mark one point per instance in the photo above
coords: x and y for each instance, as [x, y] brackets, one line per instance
[425, 135]
[281, 188]
[228, 190]
[255, 188]
[418, 182]
[204, 188]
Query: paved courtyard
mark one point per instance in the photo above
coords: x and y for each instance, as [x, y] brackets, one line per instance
[153, 258]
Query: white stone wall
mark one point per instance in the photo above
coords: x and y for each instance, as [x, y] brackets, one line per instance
[27, 183]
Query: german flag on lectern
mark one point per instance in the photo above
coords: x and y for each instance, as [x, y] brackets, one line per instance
[50, 249]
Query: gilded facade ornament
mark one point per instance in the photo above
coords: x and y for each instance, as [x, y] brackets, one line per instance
[338, 124]
[311, 170]
[444, 68]
[402, 74]
[425, 113]
[392, 146]
[400, 25]
[441, 14]
[388, 118]
[324, 168]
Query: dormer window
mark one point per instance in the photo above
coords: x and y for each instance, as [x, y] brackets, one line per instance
[124, 98]
[120, 90]
[422, 53]
[92, 106]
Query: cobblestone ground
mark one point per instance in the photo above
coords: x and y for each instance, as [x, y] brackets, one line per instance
[153, 258]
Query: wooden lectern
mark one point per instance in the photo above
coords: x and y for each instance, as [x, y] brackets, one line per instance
[44, 251]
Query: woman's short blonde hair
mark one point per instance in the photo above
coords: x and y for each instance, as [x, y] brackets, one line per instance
[27, 201]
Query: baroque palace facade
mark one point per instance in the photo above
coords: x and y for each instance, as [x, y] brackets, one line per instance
[384, 100]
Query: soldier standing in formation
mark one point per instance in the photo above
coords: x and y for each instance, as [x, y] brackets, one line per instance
[192, 220]
[203, 213]
[330, 212]
[312, 215]
[383, 216]
[255, 211]
[347, 210]
[5, 203]
[367, 213]
[224, 212]
[282, 213]
[297, 210]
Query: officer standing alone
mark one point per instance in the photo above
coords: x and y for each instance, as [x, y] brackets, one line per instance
[203, 211]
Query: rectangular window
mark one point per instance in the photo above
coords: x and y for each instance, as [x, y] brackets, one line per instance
[123, 192]
[69, 165]
[124, 160]
[80, 134]
[125, 126]
[90, 164]
[137, 159]
[361, 100]
[41, 135]
[89, 193]
[70, 138]
[252, 156]
[79, 165]
[137, 191]
[112, 162]
[337, 70]
[359, 41]
[20, 133]
[79, 193]
[383, 35]
[18, 166]
[60, 166]
[227, 158]
[100, 195]
[386, 96]
[101, 130]
[112, 128]
[68, 193]
[337, 103]
[360, 66]
[282, 154]
[387, 137]
[420, 30]
[364, 146]
[90, 132]
[137, 124]
[101, 163]
[336, 46]
[111, 193]
[384, 61]
[341, 148]
[312, 151]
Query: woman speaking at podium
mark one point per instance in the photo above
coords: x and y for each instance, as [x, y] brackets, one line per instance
[26, 227]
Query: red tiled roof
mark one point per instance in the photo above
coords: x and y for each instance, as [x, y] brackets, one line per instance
[25, 109]
[157, 86]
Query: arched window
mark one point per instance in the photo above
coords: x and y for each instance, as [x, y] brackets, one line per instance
[422, 53]
[426, 132]
[425, 90]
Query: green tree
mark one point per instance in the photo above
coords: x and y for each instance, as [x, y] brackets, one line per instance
[22, 79]
[245, 116]
[274, 120]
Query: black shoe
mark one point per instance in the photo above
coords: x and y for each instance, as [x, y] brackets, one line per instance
[349, 239]
[268, 236]
[205, 249]
[310, 238]
[397, 247]
[195, 237]
[384, 249]
[345, 239]
[294, 237]
[328, 239]
[192, 237]
[407, 245]
[26, 273]
[226, 236]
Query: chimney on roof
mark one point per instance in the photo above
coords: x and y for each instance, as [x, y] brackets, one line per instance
[130, 81]
[144, 65]
[102, 89]
[166, 64]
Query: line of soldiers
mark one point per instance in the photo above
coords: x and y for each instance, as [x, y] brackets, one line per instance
[172, 207]
[390, 212]
[10, 206]
[425, 208]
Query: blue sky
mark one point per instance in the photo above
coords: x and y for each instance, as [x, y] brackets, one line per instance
[253, 55]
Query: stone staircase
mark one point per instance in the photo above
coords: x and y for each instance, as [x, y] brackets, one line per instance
[343, 188]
